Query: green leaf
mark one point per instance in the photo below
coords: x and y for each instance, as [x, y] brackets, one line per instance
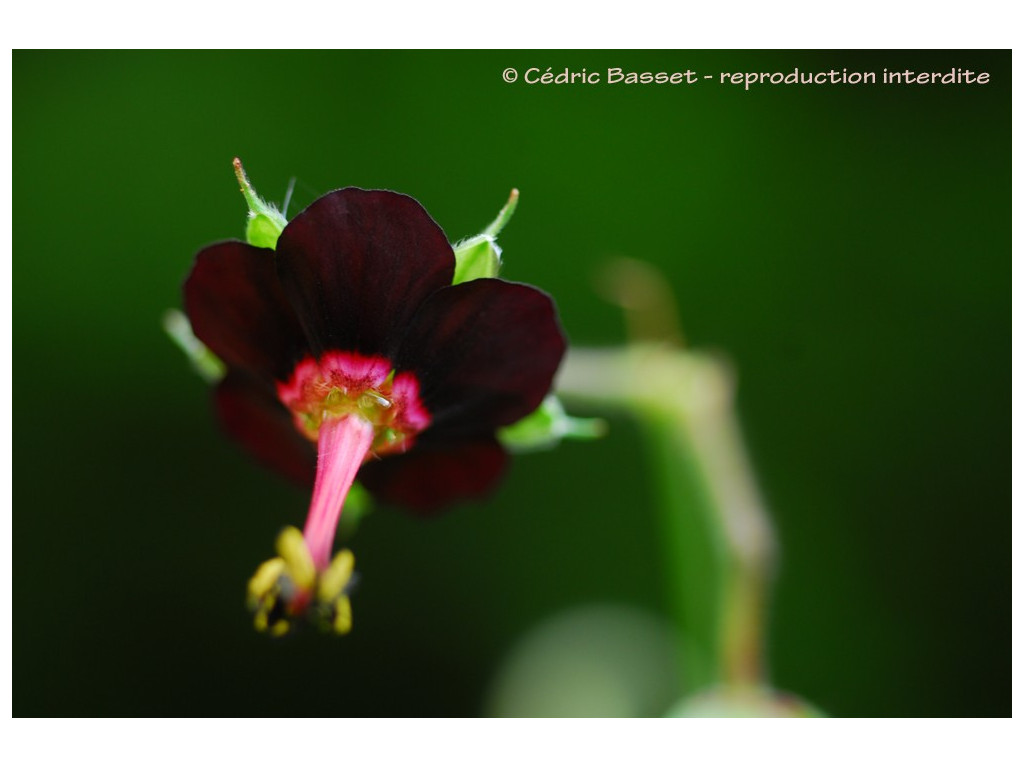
[547, 426]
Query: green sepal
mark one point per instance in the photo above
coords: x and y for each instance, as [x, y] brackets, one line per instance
[265, 222]
[547, 426]
[480, 256]
[475, 257]
[206, 364]
[262, 231]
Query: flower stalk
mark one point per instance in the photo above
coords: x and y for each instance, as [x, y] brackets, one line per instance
[719, 542]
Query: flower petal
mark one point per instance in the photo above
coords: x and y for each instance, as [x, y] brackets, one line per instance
[435, 474]
[252, 415]
[238, 309]
[356, 264]
[484, 352]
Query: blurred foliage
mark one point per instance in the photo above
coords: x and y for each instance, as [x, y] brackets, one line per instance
[848, 247]
[589, 661]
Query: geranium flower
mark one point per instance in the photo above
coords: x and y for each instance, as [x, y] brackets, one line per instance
[350, 354]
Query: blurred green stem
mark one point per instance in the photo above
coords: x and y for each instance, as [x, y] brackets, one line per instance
[718, 542]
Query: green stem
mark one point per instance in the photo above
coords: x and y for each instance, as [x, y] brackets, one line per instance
[719, 544]
[693, 551]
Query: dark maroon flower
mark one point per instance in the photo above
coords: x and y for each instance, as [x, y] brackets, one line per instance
[350, 353]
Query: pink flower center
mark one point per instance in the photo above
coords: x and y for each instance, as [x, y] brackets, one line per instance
[354, 407]
[347, 383]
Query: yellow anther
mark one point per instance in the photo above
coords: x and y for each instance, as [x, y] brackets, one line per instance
[288, 588]
[342, 615]
[264, 579]
[291, 546]
[336, 577]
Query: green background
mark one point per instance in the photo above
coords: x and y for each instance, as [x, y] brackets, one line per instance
[847, 247]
